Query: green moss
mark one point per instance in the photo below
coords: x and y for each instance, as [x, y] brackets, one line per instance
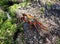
[42, 9]
[12, 9]
[3, 16]
[49, 4]
[8, 26]
[58, 42]
[3, 2]
[7, 29]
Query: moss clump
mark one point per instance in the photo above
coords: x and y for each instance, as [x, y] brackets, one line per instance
[42, 9]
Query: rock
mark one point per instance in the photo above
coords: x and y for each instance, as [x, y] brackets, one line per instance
[56, 6]
[49, 19]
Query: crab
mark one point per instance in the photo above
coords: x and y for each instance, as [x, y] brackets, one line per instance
[33, 21]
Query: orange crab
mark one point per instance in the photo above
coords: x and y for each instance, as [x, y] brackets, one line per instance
[33, 21]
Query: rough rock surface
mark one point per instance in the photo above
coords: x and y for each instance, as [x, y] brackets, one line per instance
[49, 18]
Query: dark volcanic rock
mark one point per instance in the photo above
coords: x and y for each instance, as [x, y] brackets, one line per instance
[31, 35]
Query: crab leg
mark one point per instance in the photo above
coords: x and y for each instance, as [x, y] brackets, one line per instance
[41, 25]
